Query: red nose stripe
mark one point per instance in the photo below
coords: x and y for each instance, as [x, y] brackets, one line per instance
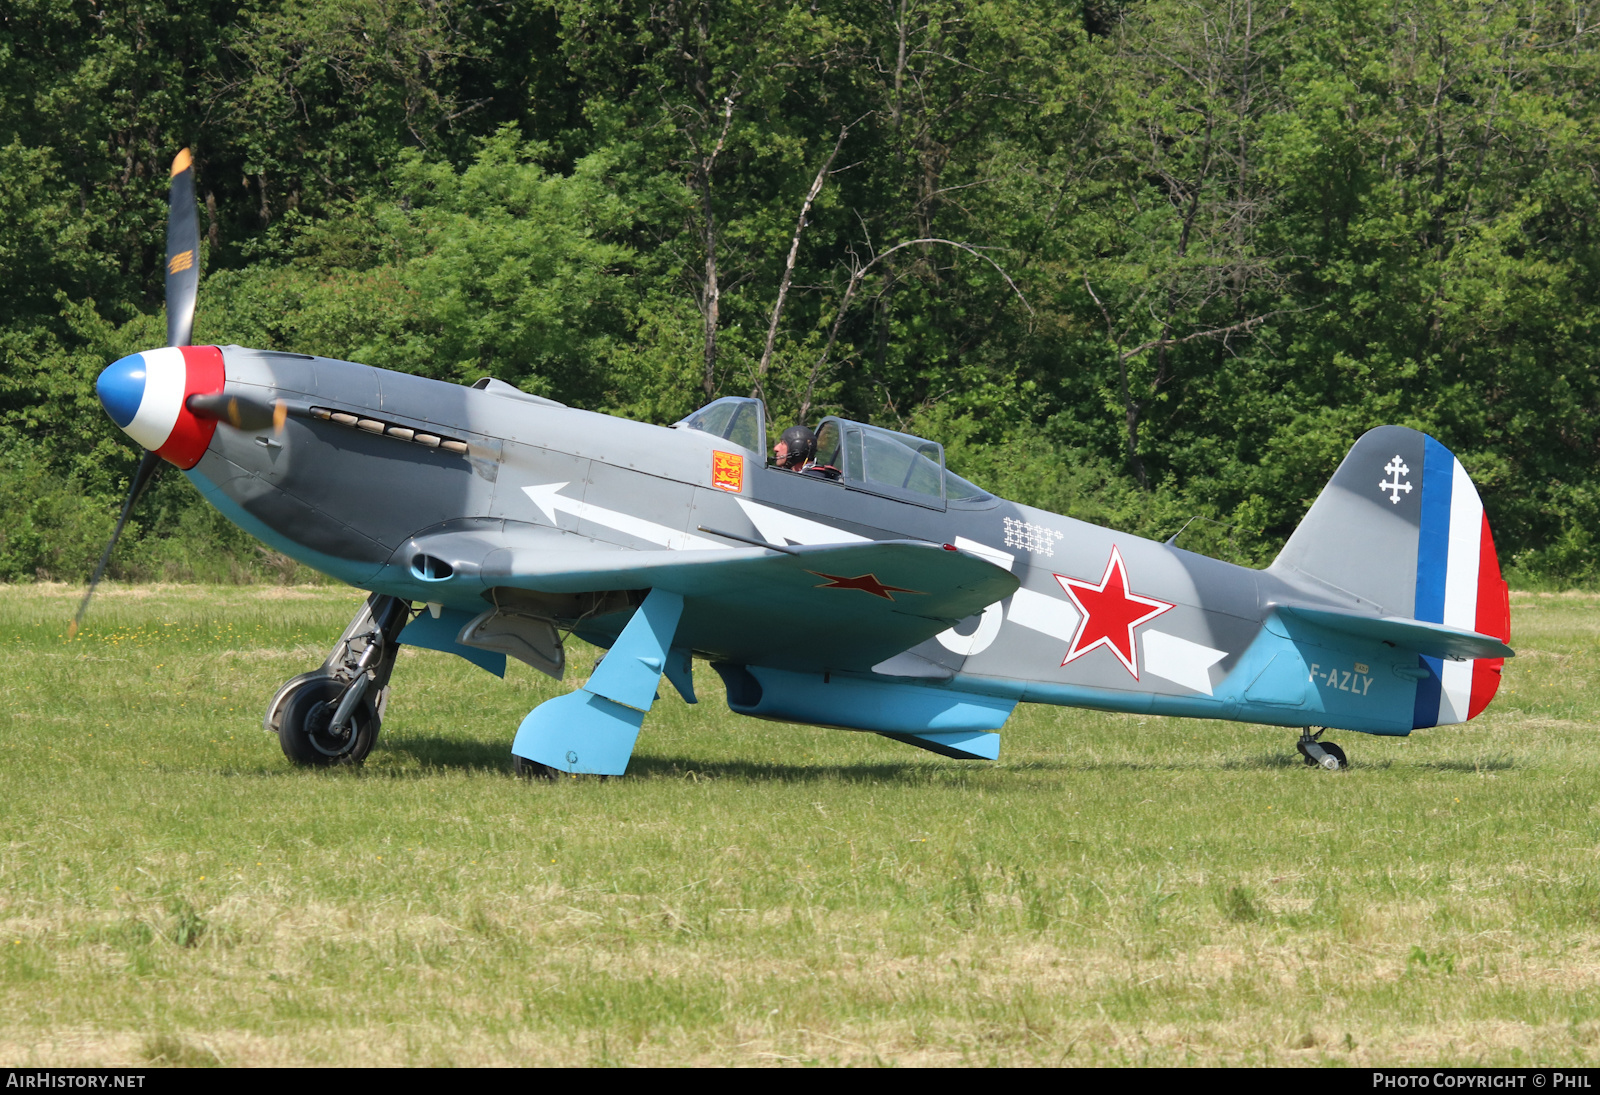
[191, 435]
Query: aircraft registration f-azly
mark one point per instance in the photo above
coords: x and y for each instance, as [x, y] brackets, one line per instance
[934, 607]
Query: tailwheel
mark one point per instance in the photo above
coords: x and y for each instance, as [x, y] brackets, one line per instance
[1320, 754]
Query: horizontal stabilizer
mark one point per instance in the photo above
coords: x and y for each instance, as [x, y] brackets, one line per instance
[1431, 640]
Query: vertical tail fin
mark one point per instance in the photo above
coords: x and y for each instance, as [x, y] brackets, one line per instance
[1400, 527]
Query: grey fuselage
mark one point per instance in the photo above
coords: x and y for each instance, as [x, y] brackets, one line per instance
[362, 501]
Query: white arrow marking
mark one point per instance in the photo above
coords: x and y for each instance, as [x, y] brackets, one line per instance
[551, 501]
[1180, 661]
[778, 527]
[984, 551]
[1047, 615]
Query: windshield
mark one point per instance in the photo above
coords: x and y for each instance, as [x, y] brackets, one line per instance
[736, 419]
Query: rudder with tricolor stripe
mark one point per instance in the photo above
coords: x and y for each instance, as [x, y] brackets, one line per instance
[1458, 584]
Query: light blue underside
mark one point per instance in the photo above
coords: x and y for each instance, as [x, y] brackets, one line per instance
[854, 703]
[942, 720]
[431, 634]
[1271, 684]
[960, 744]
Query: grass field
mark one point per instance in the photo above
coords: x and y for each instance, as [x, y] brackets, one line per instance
[1115, 890]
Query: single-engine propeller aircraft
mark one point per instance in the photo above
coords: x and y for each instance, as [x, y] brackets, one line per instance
[932, 607]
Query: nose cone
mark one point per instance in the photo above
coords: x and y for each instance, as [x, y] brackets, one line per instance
[146, 394]
[121, 388]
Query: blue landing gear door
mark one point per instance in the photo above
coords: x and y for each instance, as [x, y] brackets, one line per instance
[592, 731]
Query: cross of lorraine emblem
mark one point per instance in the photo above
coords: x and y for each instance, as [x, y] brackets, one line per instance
[1394, 485]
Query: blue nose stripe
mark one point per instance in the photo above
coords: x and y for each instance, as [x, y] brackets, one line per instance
[121, 388]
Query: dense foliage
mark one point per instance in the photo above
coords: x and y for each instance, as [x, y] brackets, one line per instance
[1132, 261]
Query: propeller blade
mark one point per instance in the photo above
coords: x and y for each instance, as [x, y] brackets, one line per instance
[183, 252]
[141, 479]
[239, 411]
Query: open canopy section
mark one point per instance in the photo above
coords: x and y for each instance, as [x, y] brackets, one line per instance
[892, 464]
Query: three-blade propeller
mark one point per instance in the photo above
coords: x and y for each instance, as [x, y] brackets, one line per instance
[182, 285]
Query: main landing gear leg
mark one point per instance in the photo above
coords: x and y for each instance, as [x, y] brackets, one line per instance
[592, 731]
[332, 714]
[1319, 753]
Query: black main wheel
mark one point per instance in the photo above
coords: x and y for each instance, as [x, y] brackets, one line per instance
[306, 733]
[532, 769]
[286, 691]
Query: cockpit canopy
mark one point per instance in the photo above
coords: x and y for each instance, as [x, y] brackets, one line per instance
[871, 458]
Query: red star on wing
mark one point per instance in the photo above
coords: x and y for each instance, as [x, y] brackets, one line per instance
[866, 583]
[1110, 613]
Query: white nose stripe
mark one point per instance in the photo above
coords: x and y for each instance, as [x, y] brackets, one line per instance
[165, 379]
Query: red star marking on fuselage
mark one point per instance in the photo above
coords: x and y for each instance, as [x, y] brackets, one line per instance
[1110, 613]
[866, 583]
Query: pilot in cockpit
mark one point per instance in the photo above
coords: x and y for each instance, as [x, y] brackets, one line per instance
[796, 451]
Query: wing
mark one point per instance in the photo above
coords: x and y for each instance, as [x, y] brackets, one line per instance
[839, 606]
[845, 606]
